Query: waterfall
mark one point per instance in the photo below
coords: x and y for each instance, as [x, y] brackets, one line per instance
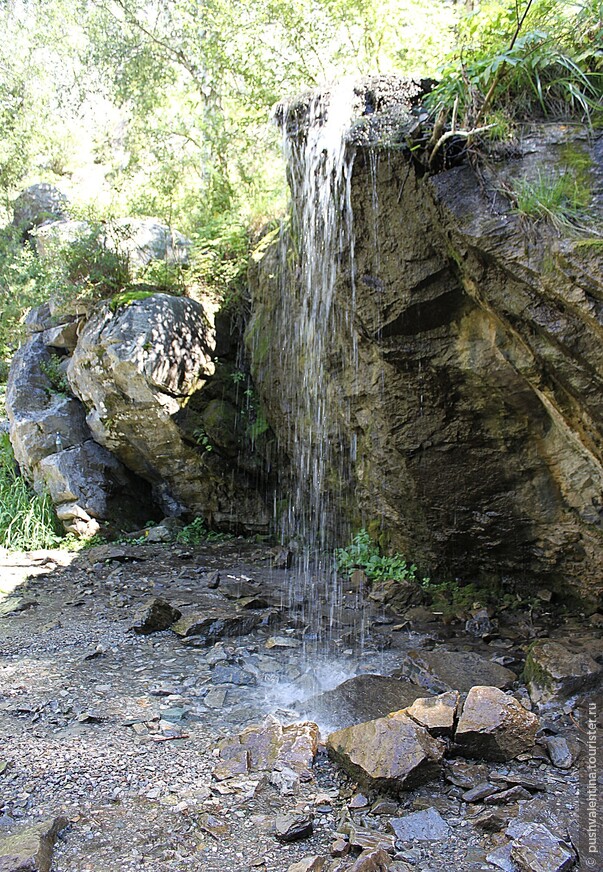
[318, 322]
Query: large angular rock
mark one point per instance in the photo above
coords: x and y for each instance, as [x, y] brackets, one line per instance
[38, 204]
[155, 615]
[437, 713]
[494, 726]
[536, 849]
[392, 753]
[267, 747]
[134, 369]
[442, 670]
[553, 672]
[359, 699]
[206, 628]
[420, 826]
[135, 241]
[56, 453]
[30, 850]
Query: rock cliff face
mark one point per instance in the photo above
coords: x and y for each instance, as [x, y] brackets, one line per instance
[470, 392]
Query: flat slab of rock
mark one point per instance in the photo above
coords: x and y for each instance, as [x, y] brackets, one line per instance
[538, 850]
[215, 624]
[553, 672]
[494, 726]
[437, 713]
[392, 753]
[268, 746]
[420, 826]
[361, 699]
[442, 670]
[31, 849]
[155, 615]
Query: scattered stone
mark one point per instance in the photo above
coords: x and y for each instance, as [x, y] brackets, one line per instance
[538, 850]
[552, 672]
[559, 752]
[227, 674]
[494, 726]
[155, 615]
[479, 624]
[437, 714]
[440, 671]
[530, 782]
[384, 806]
[361, 699]
[359, 800]
[501, 858]
[282, 642]
[214, 625]
[480, 792]
[308, 864]
[390, 754]
[373, 840]
[420, 826]
[513, 794]
[372, 860]
[490, 821]
[213, 825]
[340, 848]
[31, 849]
[466, 775]
[212, 579]
[292, 828]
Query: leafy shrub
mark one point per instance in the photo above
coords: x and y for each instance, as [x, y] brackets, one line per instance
[56, 376]
[364, 554]
[196, 532]
[527, 58]
[27, 520]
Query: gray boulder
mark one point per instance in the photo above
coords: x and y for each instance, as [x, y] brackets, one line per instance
[134, 369]
[359, 699]
[136, 241]
[56, 454]
[553, 672]
[494, 726]
[38, 204]
[31, 849]
[392, 753]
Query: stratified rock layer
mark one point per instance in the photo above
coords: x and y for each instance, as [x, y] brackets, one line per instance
[472, 386]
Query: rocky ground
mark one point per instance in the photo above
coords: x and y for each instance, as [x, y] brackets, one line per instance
[116, 734]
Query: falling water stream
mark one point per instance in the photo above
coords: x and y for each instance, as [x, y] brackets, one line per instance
[318, 329]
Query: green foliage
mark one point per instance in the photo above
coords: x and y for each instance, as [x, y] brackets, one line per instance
[526, 58]
[364, 554]
[56, 376]
[27, 520]
[196, 533]
[559, 198]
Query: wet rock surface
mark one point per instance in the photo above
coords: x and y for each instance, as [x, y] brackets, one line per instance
[121, 733]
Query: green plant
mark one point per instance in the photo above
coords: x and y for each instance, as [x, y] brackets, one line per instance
[55, 375]
[196, 532]
[524, 59]
[364, 554]
[557, 197]
[27, 520]
[202, 439]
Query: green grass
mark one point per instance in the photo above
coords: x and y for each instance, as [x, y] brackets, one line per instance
[27, 521]
[558, 198]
